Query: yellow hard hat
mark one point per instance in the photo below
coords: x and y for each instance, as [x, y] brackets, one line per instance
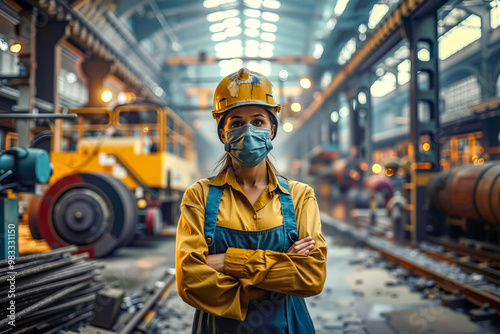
[244, 88]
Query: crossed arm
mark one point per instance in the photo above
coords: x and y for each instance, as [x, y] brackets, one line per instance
[224, 284]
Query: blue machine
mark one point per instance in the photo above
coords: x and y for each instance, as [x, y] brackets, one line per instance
[21, 170]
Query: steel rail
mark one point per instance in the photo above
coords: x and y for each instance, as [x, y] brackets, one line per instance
[472, 294]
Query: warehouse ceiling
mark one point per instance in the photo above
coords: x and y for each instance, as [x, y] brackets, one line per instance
[193, 44]
[198, 42]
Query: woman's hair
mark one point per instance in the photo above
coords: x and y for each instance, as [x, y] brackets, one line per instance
[225, 161]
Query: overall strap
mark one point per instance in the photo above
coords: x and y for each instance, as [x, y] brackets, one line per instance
[288, 211]
[211, 213]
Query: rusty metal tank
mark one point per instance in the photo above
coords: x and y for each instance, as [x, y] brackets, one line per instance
[471, 191]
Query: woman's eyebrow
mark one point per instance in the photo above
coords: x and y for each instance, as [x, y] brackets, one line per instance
[257, 115]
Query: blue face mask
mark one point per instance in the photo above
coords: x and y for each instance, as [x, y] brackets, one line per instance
[248, 145]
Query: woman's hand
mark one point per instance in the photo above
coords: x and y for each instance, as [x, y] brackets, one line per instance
[302, 246]
[216, 261]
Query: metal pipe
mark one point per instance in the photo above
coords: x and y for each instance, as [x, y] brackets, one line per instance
[35, 307]
[43, 268]
[129, 327]
[48, 287]
[27, 258]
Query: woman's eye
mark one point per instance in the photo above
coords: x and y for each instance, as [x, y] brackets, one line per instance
[235, 124]
[257, 122]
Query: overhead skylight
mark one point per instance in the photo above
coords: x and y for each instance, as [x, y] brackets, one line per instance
[266, 53]
[217, 27]
[221, 15]
[253, 3]
[229, 66]
[233, 31]
[458, 37]
[271, 17]
[268, 37]
[404, 72]
[495, 14]
[340, 7]
[402, 53]
[266, 46]
[252, 23]
[218, 37]
[376, 14]
[251, 52]
[230, 49]
[383, 85]
[274, 4]
[251, 13]
[232, 22]
[332, 22]
[269, 27]
[252, 32]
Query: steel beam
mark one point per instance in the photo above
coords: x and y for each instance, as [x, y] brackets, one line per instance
[424, 115]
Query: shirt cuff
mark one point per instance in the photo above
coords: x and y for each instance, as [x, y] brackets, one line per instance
[235, 261]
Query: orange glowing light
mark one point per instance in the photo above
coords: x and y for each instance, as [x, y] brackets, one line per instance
[389, 172]
[426, 146]
[353, 174]
[364, 166]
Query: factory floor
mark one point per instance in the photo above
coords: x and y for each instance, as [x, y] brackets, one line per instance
[359, 296]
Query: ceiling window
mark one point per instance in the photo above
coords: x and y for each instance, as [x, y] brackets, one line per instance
[254, 13]
[269, 27]
[495, 14]
[268, 37]
[404, 72]
[271, 17]
[253, 3]
[252, 23]
[383, 85]
[458, 37]
[273, 4]
[376, 14]
[252, 32]
[340, 7]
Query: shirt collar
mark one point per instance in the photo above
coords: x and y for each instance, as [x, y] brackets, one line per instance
[228, 178]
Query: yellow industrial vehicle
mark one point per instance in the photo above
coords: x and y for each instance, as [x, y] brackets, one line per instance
[116, 173]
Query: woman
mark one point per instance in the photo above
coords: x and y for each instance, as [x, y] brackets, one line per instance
[249, 242]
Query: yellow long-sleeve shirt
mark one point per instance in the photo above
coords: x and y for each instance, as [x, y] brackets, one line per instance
[249, 274]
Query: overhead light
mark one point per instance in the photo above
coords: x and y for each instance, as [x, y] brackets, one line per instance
[232, 22]
[288, 127]
[251, 52]
[252, 23]
[269, 27]
[332, 22]
[340, 7]
[252, 32]
[334, 116]
[266, 53]
[253, 3]
[305, 83]
[255, 13]
[268, 37]
[233, 32]
[158, 91]
[216, 16]
[217, 27]
[274, 4]
[344, 112]
[106, 96]
[15, 47]
[218, 37]
[267, 46]
[271, 17]
[296, 107]
[376, 14]
[71, 77]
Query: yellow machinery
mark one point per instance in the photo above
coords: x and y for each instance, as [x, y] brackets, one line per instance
[116, 173]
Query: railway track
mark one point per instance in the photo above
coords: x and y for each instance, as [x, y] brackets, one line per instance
[449, 272]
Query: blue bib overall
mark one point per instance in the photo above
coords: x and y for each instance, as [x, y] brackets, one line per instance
[276, 313]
